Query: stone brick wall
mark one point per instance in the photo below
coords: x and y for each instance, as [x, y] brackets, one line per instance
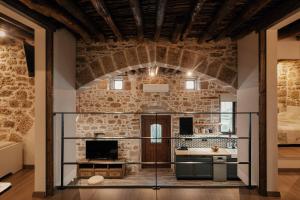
[98, 98]
[288, 87]
[16, 93]
[215, 59]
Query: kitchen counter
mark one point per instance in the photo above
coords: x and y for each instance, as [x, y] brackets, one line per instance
[206, 152]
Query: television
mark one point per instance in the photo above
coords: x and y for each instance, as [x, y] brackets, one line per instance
[29, 54]
[186, 125]
[101, 150]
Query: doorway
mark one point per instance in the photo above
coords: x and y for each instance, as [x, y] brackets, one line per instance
[158, 147]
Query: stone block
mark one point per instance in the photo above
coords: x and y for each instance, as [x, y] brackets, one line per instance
[15, 137]
[174, 55]
[188, 59]
[213, 68]
[120, 60]
[161, 54]
[131, 55]
[102, 84]
[227, 75]
[151, 50]
[84, 76]
[97, 68]
[142, 54]
[107, 63]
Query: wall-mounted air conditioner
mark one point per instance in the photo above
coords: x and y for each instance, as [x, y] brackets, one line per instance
[155, 87]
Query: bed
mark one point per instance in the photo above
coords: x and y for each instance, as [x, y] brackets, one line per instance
[289, 126]
[11, 157]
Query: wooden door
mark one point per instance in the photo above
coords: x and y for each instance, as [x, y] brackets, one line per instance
[156, 149]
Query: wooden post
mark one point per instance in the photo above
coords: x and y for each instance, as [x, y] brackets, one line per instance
[262, 189]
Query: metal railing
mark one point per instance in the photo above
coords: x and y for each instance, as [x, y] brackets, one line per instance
[155, 185]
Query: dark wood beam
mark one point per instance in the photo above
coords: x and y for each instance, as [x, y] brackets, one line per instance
[49, 115]
[136, 9]
[101, 9]
[246, 14]
[225, 9]
[290, 30]
[76, 11]
[262, 189]
[161, 6]
[36, 17]
[271, 17]
[51, 11]
[197, 9]
[16, 23]
[177, 31]
[16, 33]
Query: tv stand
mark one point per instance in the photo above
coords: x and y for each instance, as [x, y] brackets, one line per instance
[106, 168]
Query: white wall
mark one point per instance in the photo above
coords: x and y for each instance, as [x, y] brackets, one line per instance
[288, 48]
[248, 101]
[64, 100]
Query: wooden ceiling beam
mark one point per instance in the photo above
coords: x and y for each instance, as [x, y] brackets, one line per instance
[136, 9]
[51, 11]
[75, 11]
[225, 9]
[160, 15]
[178, 29]
[196, 10]
[291, 30]
[270, 18]
[36, 17]
[247, 13]
[101, 9]
[16, 24]
[16, 33]
[273, 16]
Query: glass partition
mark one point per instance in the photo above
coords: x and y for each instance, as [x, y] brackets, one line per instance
[151, 150]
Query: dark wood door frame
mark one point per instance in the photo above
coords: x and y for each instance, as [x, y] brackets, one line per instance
[262, 188]
[49, 28]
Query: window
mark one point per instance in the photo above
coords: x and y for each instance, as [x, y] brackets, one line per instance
[190, 84]
[155, 131]
[227, 120]
[117, 84]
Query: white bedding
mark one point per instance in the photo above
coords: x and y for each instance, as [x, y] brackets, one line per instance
[289, 126]
[11, 157]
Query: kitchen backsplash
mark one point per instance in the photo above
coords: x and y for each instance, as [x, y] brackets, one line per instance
[206, 141]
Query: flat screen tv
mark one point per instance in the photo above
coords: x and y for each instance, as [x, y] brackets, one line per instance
[101, 150]
[29, 54]
[186, 125]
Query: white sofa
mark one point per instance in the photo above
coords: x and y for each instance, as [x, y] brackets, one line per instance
[11, 157]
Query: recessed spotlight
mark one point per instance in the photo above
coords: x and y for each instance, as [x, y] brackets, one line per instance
[2, 34]
[189, 73]
[153, 71]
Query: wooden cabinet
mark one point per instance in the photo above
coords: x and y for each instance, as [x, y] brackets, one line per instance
[105, 168]
[232, 168]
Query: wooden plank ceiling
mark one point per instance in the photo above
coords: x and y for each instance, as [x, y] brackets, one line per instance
[153, 19]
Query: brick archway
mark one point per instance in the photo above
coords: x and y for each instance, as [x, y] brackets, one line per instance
[214, 60]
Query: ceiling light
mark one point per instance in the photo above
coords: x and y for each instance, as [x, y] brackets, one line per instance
[189, 73]
[2, 34]
[153, 71]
